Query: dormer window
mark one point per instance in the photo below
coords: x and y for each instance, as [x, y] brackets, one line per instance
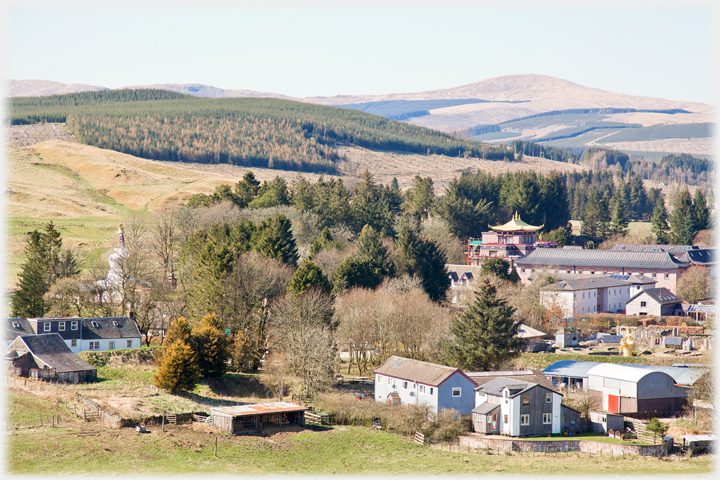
[74, 325]
[16, 325]
[116, 324]
[47, 326]
[61, 326]
[96, 324]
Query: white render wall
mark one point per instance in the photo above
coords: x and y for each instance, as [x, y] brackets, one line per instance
[120, 344]
[556, 412]
[409, 395]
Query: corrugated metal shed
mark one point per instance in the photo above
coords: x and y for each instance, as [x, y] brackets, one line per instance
[620, 372]
[569, 368]
[601, 259]
[258, 409]
[579, 369]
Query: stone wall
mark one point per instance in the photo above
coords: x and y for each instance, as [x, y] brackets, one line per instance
[508, 444]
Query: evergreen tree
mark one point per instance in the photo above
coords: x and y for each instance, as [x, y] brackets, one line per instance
[463, 217]
[419, 198]
[276, 240]
[485, 334]
[28, 300]
[496, 266]
[392, 197]
[591, 217]
[246, 190]
[368, 266]
[604, 216]
[660, 227]
[309, 276]
[211, 346]
[422, 257]
[369, 208]
[657, 428]
[560, 235]
[180, 331]
[701, 212]
[620, 222]
[179, 370]
[682, 219]
[555, 202]
[320, 242]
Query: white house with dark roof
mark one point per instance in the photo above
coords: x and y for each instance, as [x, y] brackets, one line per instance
[653, 301]
[404, 381]
[587, 295]
[82, 334]
[660, 266]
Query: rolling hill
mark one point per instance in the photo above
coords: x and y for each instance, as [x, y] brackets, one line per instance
[495, 103]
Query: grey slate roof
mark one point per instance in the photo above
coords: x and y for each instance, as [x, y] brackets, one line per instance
[528, 332]
[415, 370]
[106, 329]
[699, 257]
[532, 375]
[672, 249]
[591, 281]
[52, 350]
[497, 385]
[485, 408]
[640, 280]
[12, 331]
[663, 296]
[600, 259]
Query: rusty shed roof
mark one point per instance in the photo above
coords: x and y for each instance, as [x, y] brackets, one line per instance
[258, 409]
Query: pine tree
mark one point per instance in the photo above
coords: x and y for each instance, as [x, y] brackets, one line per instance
[369, 208]
[28, 299]
[276, 240]
[368, 266]
[179, 370]
[701, 212]
[555, 202]
[320, 242]
[309, 276]
[620, 221]
[660, 227]
[682, 220]
[495, 266]
[211, 346]
[591, 217]
[485, 334]
[420, 197]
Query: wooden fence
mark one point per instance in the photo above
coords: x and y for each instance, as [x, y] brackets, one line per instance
[419, 438]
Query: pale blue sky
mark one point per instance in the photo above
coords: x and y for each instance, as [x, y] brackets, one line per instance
[659, 50]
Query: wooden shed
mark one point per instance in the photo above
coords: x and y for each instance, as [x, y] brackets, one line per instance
[603, 422]
[250, 418]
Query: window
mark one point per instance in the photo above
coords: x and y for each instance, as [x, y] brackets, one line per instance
[567, 271]
[456, 391]
[643, 304]
[116, 324]
[505, 419]
[653, 275]
[583, 295]
[47, 326]
[526, 399]
[94, 345]
[405, 385]
[667, 275]
[421, 388]
[61, 326]
[548, 398]
[96, 324]
[525, 419]
[378, 378]
[547, 418]
[522, 270]
[431, 390]
[74, 325]
[16, 325]
[111, 345]
[388, 380]
[73, 343]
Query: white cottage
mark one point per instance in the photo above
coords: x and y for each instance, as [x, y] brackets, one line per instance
[404, 381]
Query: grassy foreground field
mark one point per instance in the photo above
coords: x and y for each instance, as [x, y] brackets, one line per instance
[35, 447]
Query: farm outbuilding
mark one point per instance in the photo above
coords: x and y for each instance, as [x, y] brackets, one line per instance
[251, 418]
[47, 357]
[634, 389]
[603, 422]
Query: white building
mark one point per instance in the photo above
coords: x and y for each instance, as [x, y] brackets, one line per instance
[653, 301]
[587, 295]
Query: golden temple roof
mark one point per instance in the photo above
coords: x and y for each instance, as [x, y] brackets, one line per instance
[516, 225]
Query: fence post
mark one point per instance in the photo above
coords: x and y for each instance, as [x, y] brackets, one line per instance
[84, 416]
[216, 445]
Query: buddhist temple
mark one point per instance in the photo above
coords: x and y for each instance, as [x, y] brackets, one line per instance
[510, 241]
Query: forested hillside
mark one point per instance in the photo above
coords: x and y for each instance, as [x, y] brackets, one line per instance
[272, 133]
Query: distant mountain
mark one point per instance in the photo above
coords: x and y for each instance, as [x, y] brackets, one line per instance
[528, 107]
[199, 90]
[41, 88]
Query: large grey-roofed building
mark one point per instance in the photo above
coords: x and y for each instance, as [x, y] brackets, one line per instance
[658, 265]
